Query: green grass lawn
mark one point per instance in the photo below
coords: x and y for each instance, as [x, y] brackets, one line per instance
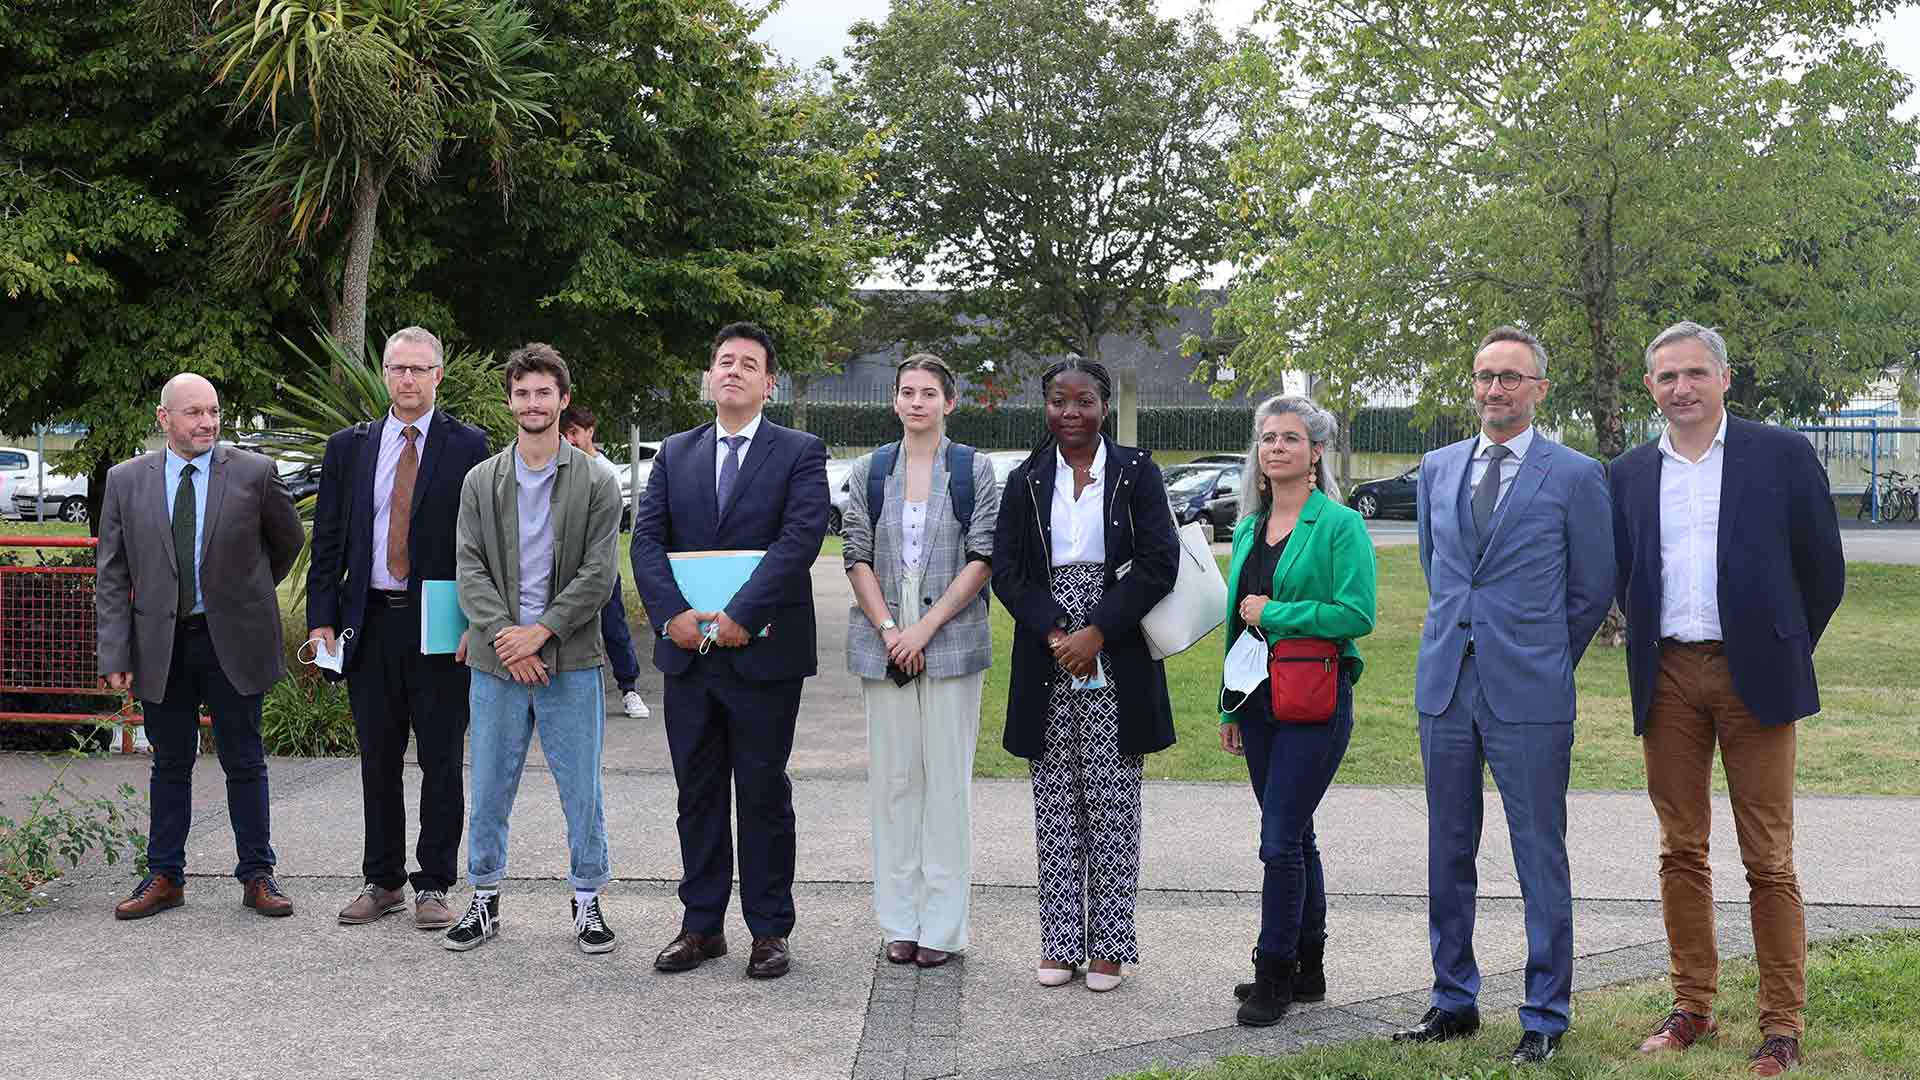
[23, 527]
[1864, 743]
[1863, 1021]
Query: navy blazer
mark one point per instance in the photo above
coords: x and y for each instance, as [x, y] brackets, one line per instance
[1139, 531]
[779, 504]
[1780, 571]
[341, 567]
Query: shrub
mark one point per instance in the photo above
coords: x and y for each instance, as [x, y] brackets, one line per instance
[304, 715]
[62, 825]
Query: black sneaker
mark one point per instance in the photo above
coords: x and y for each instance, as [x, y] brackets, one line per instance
[480, 924]
[590, 927]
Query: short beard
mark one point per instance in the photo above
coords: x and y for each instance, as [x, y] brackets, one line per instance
[1511, 422]
[542, 429]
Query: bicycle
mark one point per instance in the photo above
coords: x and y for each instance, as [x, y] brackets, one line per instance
[1899, 497]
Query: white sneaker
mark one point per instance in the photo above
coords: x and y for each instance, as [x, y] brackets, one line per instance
[636, 706]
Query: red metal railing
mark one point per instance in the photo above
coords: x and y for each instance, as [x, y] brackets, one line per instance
[48, 639]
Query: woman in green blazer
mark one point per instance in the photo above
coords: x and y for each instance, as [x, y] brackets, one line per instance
[1303, 567]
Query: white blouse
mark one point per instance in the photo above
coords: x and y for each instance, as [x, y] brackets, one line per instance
[1079, 535]
[913, 533]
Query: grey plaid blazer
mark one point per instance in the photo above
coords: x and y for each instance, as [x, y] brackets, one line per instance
[962, 646]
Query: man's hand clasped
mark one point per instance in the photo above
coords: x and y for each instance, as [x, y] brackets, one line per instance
[684, 630]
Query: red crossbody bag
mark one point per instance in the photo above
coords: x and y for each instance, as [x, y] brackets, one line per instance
[1303, 675]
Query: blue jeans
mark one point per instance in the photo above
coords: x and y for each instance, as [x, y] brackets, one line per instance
[571, 712]
[1291, 766]
[618, 637]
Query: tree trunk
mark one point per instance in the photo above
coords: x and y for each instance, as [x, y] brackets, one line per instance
[1597, 293]
[798, 420]
[97, 493]
[350, 319]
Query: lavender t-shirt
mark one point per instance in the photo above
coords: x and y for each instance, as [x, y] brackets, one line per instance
[536, 535]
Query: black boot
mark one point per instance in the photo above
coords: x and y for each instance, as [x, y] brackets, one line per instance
[1271, 994]
[1310, 978]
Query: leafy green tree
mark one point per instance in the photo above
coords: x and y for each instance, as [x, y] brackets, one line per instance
[110, 164]
[1054, 165]
[1415, 174]
[356, 103]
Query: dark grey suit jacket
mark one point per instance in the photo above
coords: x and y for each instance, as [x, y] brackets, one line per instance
[248, 543]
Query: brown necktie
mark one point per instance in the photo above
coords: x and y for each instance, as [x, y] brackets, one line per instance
[400, 506]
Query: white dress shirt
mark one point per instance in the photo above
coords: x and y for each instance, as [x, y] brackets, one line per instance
[1690, 539]
[385, 468]
[1509, 466]
[720, 448]
[1079, 532]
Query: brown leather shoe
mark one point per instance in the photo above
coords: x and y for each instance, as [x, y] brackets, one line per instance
[1775, 1056]
[151, 897]
[769, 959]
[927, 958]
[1680, 1030]
[430, 910]
[263, 895]
[373, 903]
[690, 950]
[901, 952]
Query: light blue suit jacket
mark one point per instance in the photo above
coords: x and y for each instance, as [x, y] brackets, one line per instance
[1532, 603]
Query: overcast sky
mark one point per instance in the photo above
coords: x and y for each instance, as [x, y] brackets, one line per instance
[806, 30]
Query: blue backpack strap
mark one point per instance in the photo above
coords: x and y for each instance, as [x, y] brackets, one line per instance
[877, 472]
[960, 483]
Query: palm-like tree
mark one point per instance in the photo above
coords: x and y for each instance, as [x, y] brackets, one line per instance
[357, 99]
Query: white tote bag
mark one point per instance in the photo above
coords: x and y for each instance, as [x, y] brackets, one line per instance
[1198, 602]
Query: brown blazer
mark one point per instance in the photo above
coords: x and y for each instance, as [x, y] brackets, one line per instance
[249, 541]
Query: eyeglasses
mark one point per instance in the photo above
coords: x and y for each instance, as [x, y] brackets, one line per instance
[415, 370]
[1509, 380]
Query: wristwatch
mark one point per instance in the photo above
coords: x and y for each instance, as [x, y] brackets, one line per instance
[888, 624]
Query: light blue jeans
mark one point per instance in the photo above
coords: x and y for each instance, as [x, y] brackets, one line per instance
[571, 714]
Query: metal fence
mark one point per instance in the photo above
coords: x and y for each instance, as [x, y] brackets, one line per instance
[48, 667]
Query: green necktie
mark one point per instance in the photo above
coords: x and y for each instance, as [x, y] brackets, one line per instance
[183, 512]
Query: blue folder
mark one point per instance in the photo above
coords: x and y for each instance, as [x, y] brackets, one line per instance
[441, 620]
[709, 579]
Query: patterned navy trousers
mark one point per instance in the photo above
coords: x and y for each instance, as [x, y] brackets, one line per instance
[1086, 807]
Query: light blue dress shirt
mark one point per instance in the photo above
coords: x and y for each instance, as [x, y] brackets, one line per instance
[175, 466]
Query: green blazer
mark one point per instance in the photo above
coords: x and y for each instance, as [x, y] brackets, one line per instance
[1324, 586]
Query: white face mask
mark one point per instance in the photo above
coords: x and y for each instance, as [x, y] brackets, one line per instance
[1246, 669]
[321, 658]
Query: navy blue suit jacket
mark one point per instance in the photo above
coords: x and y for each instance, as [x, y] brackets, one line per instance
[779, 505]
[1780, 569]
[341, 569]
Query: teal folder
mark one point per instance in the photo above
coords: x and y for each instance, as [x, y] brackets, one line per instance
[441, 620]
[709, 579]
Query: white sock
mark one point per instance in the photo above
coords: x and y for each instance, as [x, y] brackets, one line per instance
[583, 897]
[486, 891]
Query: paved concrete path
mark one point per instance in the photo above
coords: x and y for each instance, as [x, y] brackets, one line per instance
[216, 991]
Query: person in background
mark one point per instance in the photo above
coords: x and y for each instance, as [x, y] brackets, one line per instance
[577, 426]
[918, 638]
[1730, 568]
[1303, 567]
[1084, 548]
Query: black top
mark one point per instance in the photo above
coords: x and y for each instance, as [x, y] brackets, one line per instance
[1256, 579]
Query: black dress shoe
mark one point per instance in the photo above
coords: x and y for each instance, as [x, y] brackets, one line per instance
[690, 950]
[769, 959]
[1535, 1047]
[1439, 1025]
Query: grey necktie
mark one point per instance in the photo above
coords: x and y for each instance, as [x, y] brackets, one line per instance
[730, 468]
[1486, 494]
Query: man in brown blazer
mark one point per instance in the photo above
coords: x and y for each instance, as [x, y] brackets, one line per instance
[193, 541]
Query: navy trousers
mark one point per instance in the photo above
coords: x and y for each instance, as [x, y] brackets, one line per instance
[724, 732]
[395, 692]
[173, 727]
[618, 637]
[1530, 765]
[1291, 766]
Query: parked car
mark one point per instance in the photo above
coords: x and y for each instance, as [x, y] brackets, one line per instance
[1220, 459]
[300, 473]
[618, 453]
[64, 497]
[837, 492]
[1207, 493]
[1393, 495]
[15, 465]
[1005, 461]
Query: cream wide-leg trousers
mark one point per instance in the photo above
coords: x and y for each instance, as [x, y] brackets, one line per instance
[920, 740]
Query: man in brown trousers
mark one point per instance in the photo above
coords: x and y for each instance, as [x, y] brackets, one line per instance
[1730, 568]
[193, 541]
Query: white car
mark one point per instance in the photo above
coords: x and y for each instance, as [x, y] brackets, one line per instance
[837, 493]
[625, 474]
[64, 498]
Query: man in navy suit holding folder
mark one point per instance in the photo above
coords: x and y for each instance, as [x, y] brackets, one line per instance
[389, 492]
[733, 693]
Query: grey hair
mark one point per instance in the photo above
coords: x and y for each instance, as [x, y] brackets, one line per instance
[1514, 333]
[414, 335]
[1322, 429]
[1686, 330]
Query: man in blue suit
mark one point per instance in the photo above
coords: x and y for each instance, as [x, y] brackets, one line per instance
[1516, 540]
[1730, 567]
[741, 482]
[383, 523]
